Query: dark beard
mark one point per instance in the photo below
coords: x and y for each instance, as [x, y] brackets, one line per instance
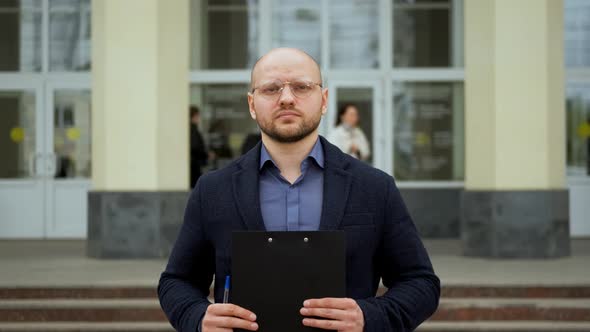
[302, 132]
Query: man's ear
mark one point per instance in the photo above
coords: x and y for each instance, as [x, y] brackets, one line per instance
[324, 101]
[251, 107]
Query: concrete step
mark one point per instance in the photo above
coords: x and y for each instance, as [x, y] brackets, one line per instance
[448, 291]
[501, 309]
[86, 327]
[506, 326]
[148, 310]
[77, 292]
[81, 310]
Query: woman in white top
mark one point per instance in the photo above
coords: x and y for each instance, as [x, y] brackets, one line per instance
[348, 136]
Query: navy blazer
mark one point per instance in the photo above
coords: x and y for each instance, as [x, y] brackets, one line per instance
[381, 242]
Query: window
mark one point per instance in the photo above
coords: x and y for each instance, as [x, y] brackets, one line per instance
[414, 66]
[225, 121]
[577, 61]
[423, 34]
[20, 35]
[69, 35]
[428, 131]
[224, 34]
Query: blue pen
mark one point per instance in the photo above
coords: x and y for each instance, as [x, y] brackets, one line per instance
[226, 290]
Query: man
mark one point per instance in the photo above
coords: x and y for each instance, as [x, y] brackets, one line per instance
[296, 180]
[198, 150]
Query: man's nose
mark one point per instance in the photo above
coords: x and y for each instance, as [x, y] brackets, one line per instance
[286, 97]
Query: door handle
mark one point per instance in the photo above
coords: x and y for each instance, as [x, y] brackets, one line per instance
[52, 164]
[33, 163]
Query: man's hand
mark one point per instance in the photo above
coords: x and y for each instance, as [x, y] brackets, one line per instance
[340, 314]
[226, 317]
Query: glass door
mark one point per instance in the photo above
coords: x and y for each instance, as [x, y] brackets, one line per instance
[22, 166]
[68, 146]
[355, 110]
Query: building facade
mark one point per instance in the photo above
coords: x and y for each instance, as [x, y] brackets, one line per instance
[443, 88]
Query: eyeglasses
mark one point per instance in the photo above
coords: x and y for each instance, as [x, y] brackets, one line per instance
[299, 88]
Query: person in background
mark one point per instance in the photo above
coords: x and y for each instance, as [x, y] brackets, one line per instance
[347, 136]
[250, 142]
[197, 147]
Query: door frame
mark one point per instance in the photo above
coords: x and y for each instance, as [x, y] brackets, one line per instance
[378, 140]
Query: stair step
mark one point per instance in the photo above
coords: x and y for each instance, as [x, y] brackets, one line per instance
[77, 292]
[472, 309]
[580, 291]
[81, 310]
[505, 326]
[86, 327]
[448, 291]
[80, 304]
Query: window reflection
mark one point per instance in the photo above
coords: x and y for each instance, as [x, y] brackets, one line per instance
[20, 35]
[428, 131]
[17, 142]
[354, 34]
[224, 34]
[225, 121]
[298, 24]
[578, 129]
[69, 35]
[422, 33]
[577, 33]
[72, 134]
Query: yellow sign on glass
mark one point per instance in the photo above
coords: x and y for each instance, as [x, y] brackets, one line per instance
[17, 134]
[584, 130]
[73, 134]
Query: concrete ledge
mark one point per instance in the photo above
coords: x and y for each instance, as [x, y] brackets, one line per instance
[133, 224]
[515, 224]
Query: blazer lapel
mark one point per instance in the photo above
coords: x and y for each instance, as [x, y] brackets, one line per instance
[245, 190]
[337, 183]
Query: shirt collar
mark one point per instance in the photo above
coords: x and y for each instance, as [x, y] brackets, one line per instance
[316, 153]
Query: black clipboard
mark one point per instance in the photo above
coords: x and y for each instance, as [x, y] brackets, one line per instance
[274, 272]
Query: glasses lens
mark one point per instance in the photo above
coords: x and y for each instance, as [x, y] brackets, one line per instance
[270, 89]
[301, 88]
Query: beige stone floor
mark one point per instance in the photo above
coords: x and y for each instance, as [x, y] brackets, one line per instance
[63, 263]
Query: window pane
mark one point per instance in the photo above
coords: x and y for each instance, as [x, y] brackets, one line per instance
[225, 120]
[354, 34]
[20, 35]
[298, 24]
[428, 131]
[69, 35]
[17, 142]
[577, 33]
[422, 34]
[224, 34]
[578, 129]
[72, 134]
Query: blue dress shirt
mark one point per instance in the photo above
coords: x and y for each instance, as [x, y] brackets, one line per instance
[297, 206]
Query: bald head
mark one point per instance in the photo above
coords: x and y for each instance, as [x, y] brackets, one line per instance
[285, 60]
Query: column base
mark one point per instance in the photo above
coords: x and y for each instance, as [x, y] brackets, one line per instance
[134, 224]
[435, 211]
[515, 224]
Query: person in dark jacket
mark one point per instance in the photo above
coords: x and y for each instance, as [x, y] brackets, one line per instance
[327, 190]
[198, 152]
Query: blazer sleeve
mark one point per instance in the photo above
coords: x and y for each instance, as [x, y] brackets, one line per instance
[413, 288]
[184, 284]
